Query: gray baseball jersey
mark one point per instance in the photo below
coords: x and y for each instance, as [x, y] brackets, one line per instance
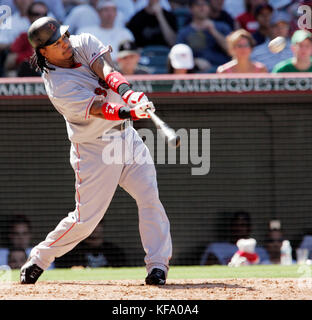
[73, 90]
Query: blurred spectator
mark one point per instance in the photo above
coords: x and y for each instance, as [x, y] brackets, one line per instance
[273, 246]
[56, 7]
[291, 8]
[18, 236]
[87, 11]
[21, 50]
[222, 252]
[153, 25]
[181, 60]
[19, 233]
[128, 58]
[240, 45]
[16, 258]
[263, 14]
[19, 22]
[280, 4]
[205, 37]
[306, 243]
[70, 4]
[141, 4]
[181, 11]
[126, 9]
[247, 20]
[234, 7]
[93, 252]
[107, 32]
[279, 27]
[301, 45]
[217, 13]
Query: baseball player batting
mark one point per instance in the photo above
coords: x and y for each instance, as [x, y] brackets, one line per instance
[96, 103]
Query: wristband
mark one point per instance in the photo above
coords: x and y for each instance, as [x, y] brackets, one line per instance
[110, 112]
[115, 79]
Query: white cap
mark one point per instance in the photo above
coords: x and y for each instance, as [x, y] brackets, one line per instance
[106, 3]
[181, 57]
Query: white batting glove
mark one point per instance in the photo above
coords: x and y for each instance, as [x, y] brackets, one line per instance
[133, 98]
[139, 111]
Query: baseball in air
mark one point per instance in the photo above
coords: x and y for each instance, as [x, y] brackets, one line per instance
[277, 44]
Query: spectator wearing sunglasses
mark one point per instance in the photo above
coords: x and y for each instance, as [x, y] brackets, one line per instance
[16, 63]
[240, 44]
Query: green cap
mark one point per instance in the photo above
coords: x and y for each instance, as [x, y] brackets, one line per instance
[301, 35]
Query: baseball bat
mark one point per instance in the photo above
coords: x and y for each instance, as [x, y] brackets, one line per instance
[168, 133]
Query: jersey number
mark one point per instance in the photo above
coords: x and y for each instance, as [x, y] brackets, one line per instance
[100, 92]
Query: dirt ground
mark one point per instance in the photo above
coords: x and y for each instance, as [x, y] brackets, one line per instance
[210, 289]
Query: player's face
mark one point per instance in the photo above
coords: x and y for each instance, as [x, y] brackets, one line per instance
[59, 50]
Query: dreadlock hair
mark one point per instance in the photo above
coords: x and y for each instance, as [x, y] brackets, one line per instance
[38, 62]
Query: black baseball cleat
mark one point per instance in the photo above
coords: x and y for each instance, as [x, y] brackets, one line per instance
[30, 273]
[156, 277]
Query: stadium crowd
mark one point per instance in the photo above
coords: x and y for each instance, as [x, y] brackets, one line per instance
[169, 36]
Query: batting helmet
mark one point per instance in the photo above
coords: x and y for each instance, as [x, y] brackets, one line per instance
[45, 31]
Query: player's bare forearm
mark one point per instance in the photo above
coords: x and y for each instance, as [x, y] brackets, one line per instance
[103, 66]
[96, 109]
